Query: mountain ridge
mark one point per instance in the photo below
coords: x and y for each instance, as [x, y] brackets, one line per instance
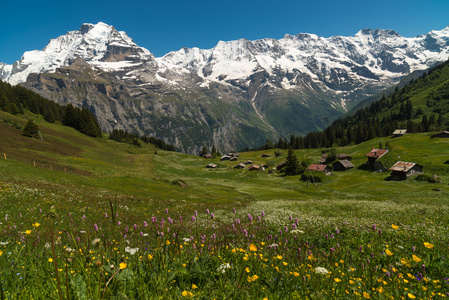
[268, 87]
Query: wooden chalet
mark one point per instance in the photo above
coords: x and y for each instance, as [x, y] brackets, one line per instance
[207, 155]
[281, 165]
[443, 134]
[239, 166]
[373, 159]
[248, 162]
[266, 155]
[402, 170]
[320, 168]
[211, 166]
[234, 158]
[343, 156]
[342, 165]
[255, 168]
[225, 157]
[399, 132]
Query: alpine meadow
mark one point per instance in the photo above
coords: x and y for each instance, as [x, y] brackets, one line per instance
[354, 205]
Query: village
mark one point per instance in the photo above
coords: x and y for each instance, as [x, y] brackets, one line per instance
[327, 164]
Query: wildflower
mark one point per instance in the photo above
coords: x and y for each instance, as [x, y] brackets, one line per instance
[28, 231]
[50, 260]
[96, 227]
[96, 242]
[187, 294]
[366, 295]
[337, 279]
[394, 226]
[247, 270]
[296, 274]
[321, 270]
[1, 252]
[194, 286]
[150, 256]
[279, 257]
[36, 224]
[252, 278]
[428, 245]
[253, 247]
[411, 296]
[131, 251]
[167, 242]
[222, 268]
[416, 258]
[123, 265]
[388, 252]
[296, 231]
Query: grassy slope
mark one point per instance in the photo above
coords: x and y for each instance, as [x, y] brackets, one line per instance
[101, 166]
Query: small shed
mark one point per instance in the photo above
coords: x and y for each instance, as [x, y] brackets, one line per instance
[239, 166]
[342, 165]
[256, 168]
[234, 154]
[399, 132]
[207, 155]
[373, 159]
[320, 168]
[281, 165]
[442, 134]
[265, 166]
[225, 157]
[211, 166]
[234, 158]
[402, 170]
[266, 155]
[322, 160]
[248, 162]
[342, 156]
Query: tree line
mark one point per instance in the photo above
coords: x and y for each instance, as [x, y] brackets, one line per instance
[123, 136]
[15, 99]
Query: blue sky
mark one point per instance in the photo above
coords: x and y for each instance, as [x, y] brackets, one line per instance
[167, 25]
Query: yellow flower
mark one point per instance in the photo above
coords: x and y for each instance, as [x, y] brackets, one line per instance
[296, 274]
[411, 296]
[194, 286]
[389, 253]
[428, 245]
[416, 258]
[50, 259]
[380, 289]
[253, 247]
[247, 270]
[28, 231]
[187, 294]
[36, 224]
[167, 242]
[284, 263]
[351, 281]
[366, 295]
[337, 279]
[150, 256]
[123, 265]
[405, 262]
[1, 252]
[394, 226]
[279, 257]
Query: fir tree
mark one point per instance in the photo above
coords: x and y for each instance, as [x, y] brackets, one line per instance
[292, 166]
[31, 129]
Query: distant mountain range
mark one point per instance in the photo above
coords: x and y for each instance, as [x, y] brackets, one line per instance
[239, 93]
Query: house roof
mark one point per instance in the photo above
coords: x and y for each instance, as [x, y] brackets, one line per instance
[342, 156]
[400, 131]
[317, 167]
[402, 166]
[442, 132]
[376, 153]
[346, 163]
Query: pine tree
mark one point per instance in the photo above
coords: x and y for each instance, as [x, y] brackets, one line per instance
[292, 166]
[31, 129]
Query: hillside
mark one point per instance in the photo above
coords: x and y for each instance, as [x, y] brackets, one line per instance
[109, 220]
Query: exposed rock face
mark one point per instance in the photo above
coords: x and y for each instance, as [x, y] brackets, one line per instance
[237, 94]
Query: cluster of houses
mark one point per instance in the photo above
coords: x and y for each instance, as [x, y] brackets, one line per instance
[399, 171]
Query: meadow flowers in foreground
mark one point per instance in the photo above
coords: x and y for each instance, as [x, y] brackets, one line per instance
[94, 254]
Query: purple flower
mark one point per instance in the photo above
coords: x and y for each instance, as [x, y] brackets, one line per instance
[166, 210]
[294, 226]
[263, 213]
[96, 227]
[413, 248]
[135, 226]
[193, 219]
[212, 216]
[105, 215]
[250, 218]
[374, 227]
[388, 274]
[180, 219]
[207, 211]
[380, 231]
[145, 224]
[170, 220]
[196, 213]
[290, 217]
[233, 210]
[84, 217]
[118, 223]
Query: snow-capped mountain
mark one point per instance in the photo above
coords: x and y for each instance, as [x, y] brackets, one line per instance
[235, 94]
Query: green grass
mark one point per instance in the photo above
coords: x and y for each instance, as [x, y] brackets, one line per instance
[89, 175]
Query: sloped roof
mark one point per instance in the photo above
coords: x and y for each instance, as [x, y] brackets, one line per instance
[402, 166]
[317, 167]
[400, 131]
[346, 163]
[342, 156]
[376, 153]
